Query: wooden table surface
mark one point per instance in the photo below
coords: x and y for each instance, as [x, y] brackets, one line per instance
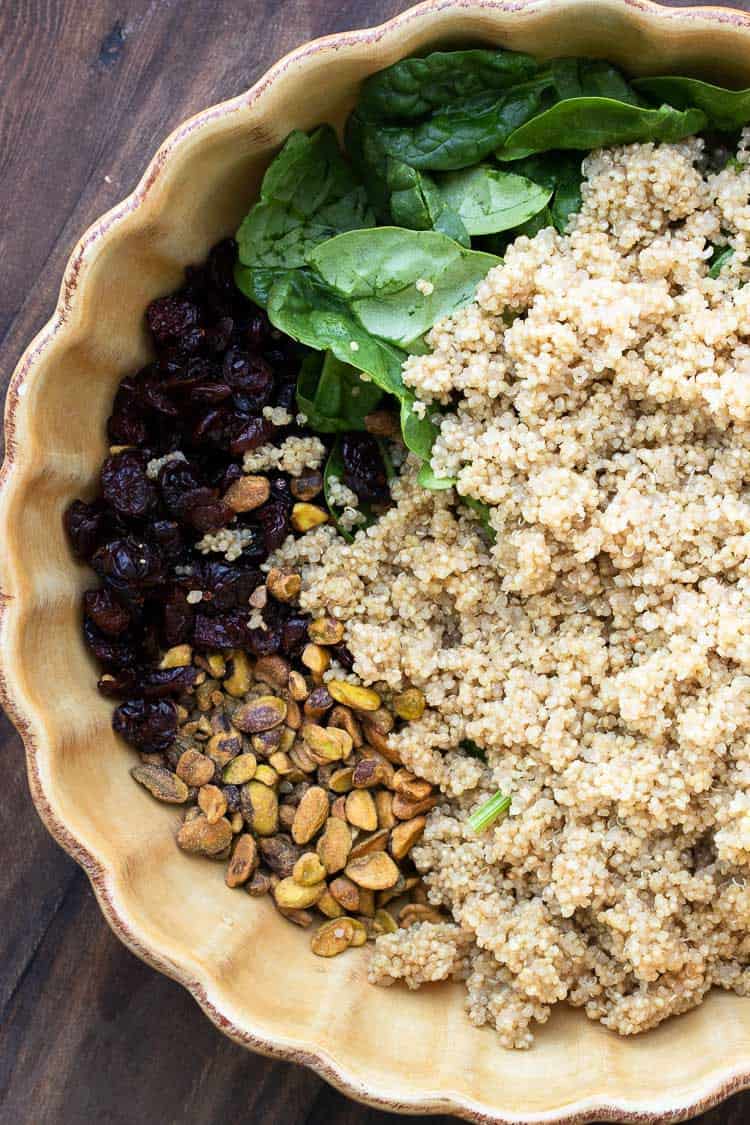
[87, 1033]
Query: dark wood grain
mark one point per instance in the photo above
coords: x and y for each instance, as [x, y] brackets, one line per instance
[87, 1032]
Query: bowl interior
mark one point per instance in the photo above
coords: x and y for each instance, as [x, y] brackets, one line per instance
[250, 970]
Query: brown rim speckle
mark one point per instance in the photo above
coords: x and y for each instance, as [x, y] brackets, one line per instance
[336, 1071]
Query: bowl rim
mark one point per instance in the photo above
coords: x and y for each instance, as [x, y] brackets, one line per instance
[336, 1071]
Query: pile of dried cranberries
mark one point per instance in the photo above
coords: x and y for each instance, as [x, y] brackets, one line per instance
[218, 364]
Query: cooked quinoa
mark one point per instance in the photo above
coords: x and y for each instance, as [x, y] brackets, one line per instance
[598, 652]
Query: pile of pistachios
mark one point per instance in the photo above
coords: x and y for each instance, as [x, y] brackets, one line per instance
[291, 779]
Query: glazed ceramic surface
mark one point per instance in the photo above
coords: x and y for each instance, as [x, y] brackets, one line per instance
[249, 970]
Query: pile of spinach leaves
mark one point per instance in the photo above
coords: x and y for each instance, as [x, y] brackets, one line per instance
[447, 159]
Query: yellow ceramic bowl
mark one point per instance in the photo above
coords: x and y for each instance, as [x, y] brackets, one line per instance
[252, 973]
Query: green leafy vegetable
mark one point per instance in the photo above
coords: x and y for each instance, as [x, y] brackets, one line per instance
[308, 310]
[378, 273]
[489, 199]
[592, 122]
[416, 203]
[418, 433]
[483, 512]
[427, 479]
[590, 78]
[719, 259]
[308, 194]
[452, 138]
[561, 173]
[724, 109]
[414, 87]
[486, 815]
[333, 396]
[471, 749]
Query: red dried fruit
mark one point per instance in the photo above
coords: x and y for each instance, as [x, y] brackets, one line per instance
[230, 630]
[249, 433]
[125, 485]
[117, 684]
[128, 562]
[170, 318]
[178, 618]
[273, 518]
[114, 652]
[250, 376]
[163, 682]
[149, 725]
[85, 524]
[225, 586]
[107, 613]
[294, 633]
[364, 471]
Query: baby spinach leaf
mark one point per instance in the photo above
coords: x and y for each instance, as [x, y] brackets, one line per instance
[427, 479]
[378, 271]
[470, 748]
[308, 310]
[591, 122]
[416, 203]
[719, 259]
[595, 78]
[725, 109]
[457, 136]
[332, 394]
[489, 199]
[308, 194]
[482, 511]
[370, 161]
[561, 172]
[414, 87]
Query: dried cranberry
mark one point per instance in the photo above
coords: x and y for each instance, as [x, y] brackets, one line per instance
[125, 485]
[294, 633]
[341, 653]
[264, 642]
[220, 265]
[149, 725]
[162, 682]
[286, 396]
[126, 427]
[167, 537]
[364, 471]
[116, 652]
[280, 488]
[180, 373]
[204, 510]
[273, 518]
[107, 613]
[210, 426]
[171, 318]
[225, 586]
[258, 329]
[232, 473]
[176, 480]
[250, 433]
[249, 376]
[209, 392]
[178, 618]
[149, 393]
[85, 525]
[128, 562]
[218, 337]
[228, 631]
[117, 685]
